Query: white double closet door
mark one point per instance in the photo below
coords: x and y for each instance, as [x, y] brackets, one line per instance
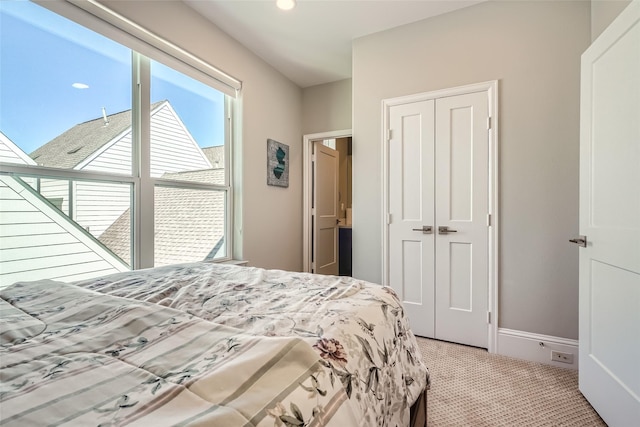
[438, 206]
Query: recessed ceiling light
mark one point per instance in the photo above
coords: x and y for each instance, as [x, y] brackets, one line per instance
[286, 4]
[80, 86]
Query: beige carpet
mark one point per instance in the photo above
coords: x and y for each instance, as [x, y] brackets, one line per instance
[470, 387]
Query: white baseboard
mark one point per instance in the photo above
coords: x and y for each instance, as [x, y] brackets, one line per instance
[526, 345]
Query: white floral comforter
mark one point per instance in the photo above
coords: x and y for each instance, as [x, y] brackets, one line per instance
[358, 328]
[73, 357]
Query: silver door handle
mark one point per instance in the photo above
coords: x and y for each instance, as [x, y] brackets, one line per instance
[580, 241]
[426, 229]
[443, 229]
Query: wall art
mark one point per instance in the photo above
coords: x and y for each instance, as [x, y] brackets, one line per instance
[277, 163]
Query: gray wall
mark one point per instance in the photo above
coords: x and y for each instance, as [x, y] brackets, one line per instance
[603, 12]
[327, 107]
[533, 48]
[270, 107]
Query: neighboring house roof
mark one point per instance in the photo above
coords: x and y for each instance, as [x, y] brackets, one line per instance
[118, 236]
[72, 147]
[215, 155]
[76, 144]
[189, 224]
[210, 176]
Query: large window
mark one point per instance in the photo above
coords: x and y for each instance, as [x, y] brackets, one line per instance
[97, 141]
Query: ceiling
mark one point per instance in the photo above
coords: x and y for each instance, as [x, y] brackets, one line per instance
[311, 44]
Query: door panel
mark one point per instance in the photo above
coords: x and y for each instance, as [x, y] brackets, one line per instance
[460, 155]
[609, 376]
[411, 198]
[412, 272]
[462, 179]
[325, 229]
[461, 281]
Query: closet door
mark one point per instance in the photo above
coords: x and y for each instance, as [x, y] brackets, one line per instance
[411, 207]
[462, 180]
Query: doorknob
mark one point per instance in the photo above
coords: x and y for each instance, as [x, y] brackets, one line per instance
[426, 229]
[443, 229]
[580, 241]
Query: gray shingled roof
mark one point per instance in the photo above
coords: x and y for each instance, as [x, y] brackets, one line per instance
[215, 155]
[73, 146]
[118, 237]
[188, 223]
[209, 176]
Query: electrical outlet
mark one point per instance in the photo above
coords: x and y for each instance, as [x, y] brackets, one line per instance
[558, 356]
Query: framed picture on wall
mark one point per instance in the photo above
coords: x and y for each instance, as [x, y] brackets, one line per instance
[277, 163]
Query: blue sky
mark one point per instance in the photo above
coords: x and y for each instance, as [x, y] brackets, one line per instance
[42, 57]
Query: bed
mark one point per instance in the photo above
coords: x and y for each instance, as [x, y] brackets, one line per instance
[351, 358]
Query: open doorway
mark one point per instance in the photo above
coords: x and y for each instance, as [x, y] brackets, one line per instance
[327, 195]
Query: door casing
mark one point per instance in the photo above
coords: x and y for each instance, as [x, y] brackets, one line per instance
[491, 87]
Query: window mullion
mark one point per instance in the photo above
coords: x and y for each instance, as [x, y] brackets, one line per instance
[144, 191]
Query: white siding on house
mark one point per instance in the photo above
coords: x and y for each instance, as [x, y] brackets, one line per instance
[96, 204]
[56, 191]
[115, 159]
[99, 204]
[11, 153]
[172, 147]
[8, 156]
[38, 241]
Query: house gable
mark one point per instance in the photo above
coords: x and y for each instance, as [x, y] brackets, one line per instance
[173, 149]
[41, 242]
[73, 146]
[11, 153]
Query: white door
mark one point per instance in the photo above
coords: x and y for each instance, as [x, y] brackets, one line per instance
[610, 220]
[411, 206]
[438, 177]
[325, 210]
[462, 180]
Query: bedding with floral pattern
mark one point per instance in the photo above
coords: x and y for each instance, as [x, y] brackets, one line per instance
[358, 329]
[70, 356]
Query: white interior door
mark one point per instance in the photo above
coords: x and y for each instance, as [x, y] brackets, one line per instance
[610, 220]
[411, 206]
[462, 181]
[438, 162]
[325, 210]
